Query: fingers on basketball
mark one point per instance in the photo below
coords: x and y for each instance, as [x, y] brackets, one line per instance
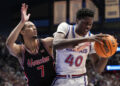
[108, 48]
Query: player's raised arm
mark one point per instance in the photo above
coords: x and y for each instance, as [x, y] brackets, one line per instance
[14, 48]
[61, 42]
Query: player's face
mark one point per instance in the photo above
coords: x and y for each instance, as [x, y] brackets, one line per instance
[30, 30]
[84, 25]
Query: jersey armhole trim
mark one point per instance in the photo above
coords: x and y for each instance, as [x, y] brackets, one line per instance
[67, 32]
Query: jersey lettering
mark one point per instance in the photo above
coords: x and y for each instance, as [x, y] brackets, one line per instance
[70, 60]
[78, 61]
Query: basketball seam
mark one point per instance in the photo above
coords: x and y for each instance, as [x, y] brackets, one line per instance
[103, 51]
[110, 46]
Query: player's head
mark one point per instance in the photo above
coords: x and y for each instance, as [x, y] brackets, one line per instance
[84, 20]
[29, 30]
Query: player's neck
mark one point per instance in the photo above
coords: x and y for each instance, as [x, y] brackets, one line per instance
[31, 44]
[78, 32]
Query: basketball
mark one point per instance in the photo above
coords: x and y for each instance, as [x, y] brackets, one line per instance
[108, 48]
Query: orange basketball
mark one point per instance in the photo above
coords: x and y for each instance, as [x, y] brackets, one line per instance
[108, 48]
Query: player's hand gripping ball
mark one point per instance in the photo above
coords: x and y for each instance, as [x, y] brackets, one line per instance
[107, 48]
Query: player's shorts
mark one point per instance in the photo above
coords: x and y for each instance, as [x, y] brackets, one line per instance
[70, 81]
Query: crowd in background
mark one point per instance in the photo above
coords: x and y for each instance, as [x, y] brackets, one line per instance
[107, 78]
[11, 74]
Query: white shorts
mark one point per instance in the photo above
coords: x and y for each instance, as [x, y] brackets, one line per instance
[69, 81]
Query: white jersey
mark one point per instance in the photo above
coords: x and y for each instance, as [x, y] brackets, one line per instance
[69, 61]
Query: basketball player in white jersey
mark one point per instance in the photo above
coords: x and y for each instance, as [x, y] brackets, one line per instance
[73, 44]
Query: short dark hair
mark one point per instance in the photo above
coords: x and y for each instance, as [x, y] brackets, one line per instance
[84, 12]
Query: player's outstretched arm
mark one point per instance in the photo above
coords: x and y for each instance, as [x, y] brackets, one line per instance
[14, 48]
[60, 42]
[98, 62]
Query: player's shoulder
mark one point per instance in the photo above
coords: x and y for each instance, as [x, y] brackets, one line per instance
[47, 39]
[47, 42]
[63, 24]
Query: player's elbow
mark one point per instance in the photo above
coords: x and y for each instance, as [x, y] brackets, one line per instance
[8, 44]
[55, 44]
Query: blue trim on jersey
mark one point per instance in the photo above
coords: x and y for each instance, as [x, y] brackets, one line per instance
[89, 33]
[85, 80]
[53, 81]
[90, 43]
[67, 32]
[73, 31]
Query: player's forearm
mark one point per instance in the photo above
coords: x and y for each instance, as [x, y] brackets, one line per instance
[14, 34]
[101, 65]
[68, 43]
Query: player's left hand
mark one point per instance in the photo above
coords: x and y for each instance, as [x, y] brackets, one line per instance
[98, 38]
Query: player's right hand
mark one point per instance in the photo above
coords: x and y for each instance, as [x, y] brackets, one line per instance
[97, 37]
[24, 15]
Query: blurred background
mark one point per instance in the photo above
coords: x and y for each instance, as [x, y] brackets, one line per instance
[46, 15]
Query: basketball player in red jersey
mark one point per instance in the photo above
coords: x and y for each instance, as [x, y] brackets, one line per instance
[34, 54]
